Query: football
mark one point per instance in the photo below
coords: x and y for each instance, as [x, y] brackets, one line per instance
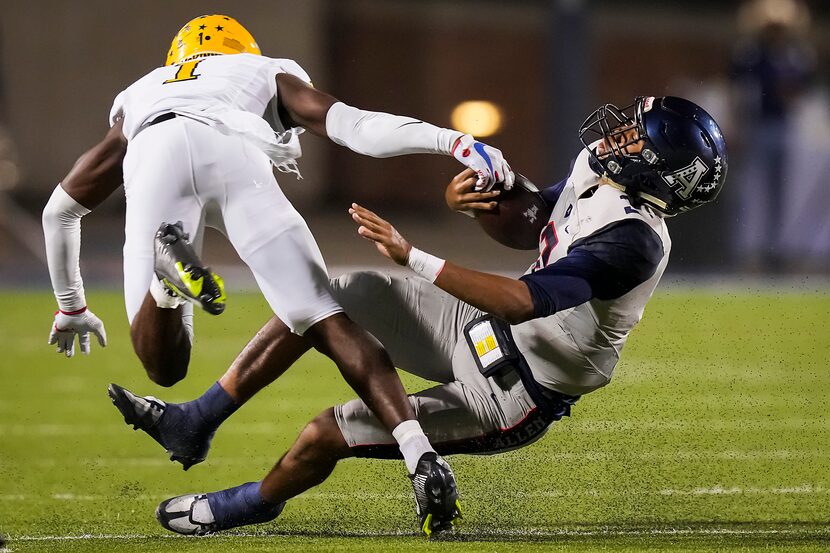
[519, 217]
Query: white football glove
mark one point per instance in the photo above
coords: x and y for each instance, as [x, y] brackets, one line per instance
[486, 161]
[66, 326]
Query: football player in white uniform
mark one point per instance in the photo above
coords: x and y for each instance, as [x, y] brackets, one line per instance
[510, 356]
[194, 141]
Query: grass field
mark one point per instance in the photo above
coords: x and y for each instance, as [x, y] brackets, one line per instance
[714, 435]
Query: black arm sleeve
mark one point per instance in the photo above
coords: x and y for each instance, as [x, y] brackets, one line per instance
[605, 265]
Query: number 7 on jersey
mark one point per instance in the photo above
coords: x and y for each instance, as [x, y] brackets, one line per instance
[186, 72]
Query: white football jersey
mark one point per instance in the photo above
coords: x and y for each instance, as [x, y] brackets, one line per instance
[574, 351]
[211, 86]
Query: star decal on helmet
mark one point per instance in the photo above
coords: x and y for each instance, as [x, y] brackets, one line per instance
[234, 39]
[718, 171]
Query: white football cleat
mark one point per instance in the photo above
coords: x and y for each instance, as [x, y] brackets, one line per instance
[189, 515]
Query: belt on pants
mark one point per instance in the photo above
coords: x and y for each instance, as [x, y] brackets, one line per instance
[554, 404]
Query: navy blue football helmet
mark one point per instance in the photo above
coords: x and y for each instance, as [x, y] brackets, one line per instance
[682, 163]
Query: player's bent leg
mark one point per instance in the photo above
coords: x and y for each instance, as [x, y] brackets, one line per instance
[162, 342]
[159, 191]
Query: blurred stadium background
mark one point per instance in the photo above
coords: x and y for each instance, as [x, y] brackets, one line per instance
[538, 67]
[543, 65]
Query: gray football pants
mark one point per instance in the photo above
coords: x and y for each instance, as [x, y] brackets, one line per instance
[422, 327]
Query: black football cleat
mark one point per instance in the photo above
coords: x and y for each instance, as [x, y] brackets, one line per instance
[192, 515]
[436, 494]
[181, 271]
[184, 445]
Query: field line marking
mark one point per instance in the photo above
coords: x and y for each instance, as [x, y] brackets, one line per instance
[511, 533]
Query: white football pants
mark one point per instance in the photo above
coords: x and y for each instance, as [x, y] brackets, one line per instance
[183, 170]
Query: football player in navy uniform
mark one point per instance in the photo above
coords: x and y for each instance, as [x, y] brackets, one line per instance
[509, 356]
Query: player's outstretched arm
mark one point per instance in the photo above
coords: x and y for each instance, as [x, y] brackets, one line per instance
[380, 134]
[95, 175]
[503, 297]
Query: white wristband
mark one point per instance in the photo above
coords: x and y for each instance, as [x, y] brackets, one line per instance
[424, 264]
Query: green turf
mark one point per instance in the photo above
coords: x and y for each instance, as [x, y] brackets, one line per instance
[713, 435]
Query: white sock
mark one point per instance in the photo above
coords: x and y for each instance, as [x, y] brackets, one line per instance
[413, 443]
[162, 296]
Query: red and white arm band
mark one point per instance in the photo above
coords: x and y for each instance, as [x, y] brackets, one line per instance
[378, 134]
[424, 264]
[62, 229]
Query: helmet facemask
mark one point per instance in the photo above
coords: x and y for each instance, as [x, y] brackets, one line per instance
[619, 129]
[678, 140]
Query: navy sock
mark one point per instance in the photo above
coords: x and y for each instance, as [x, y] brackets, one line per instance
[204, 413]
[242, 505]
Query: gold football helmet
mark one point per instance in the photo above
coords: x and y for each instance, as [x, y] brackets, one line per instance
[210, 35]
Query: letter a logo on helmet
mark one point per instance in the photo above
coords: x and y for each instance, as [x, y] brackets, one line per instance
[211, 35]
[686, 178]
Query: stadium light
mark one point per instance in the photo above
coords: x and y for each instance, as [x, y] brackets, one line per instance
[477, 117]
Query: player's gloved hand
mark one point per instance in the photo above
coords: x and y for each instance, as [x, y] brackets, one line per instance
[488, 163]
[82, 322]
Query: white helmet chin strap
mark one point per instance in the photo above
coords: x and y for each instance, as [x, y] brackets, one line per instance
[657, 202]
[607, 180]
